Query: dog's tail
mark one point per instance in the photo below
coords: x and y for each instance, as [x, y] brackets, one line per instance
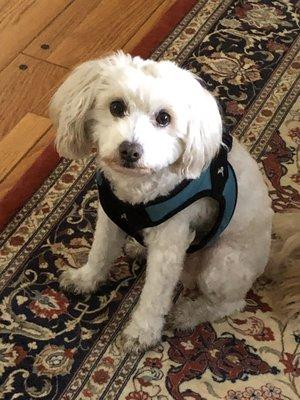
[284, 263]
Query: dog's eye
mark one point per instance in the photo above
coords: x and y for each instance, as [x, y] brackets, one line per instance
[118, 108]
[163, 118]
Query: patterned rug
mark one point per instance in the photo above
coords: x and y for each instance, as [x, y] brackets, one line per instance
[56, 345]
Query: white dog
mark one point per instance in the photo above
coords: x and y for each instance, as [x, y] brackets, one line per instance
[172, 130]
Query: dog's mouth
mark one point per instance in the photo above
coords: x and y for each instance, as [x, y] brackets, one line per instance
[127, 168]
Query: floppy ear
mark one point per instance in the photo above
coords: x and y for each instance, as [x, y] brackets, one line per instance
[69, 111]
[204, 132]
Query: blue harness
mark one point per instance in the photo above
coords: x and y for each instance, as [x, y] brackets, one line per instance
[218, 181]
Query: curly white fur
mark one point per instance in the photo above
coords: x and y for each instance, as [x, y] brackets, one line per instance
[222, 272]
[284, 264]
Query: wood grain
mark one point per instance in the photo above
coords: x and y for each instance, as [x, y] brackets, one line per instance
[23, 180]
[148, 25]
[21, 90]
[21, 21]
[19, 141]
[26, 163]
[60, 28]
[109, 27]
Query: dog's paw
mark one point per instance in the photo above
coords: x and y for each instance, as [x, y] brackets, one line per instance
[132, 345]
[188, 313]
[137, 339]
[79, 281]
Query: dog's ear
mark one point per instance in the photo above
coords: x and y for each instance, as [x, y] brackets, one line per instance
[69, 110]
[204, 131]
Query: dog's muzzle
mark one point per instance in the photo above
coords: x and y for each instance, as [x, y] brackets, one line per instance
[130, 153]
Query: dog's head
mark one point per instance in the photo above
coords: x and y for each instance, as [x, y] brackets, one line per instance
[142, 116]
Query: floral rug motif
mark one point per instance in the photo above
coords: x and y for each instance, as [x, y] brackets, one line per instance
[56, 345]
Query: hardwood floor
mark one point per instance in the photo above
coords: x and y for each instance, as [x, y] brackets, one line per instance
[21, 21]
[41, 41]
[25, 85]
[14, 158]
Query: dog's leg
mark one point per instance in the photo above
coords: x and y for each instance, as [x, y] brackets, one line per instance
[166, 252]
[106, 247]
[226, 276]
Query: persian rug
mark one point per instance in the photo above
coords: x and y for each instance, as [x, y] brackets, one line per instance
[56, 345]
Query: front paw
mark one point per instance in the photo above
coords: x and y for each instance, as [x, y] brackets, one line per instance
[80, 281]
[138, 338]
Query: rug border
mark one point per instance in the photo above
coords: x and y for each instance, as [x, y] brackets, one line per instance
[29, 182]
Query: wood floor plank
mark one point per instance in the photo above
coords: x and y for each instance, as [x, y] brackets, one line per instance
[21, 21]
[23, 180]
[148, 25]
[108, 27]
[20, 140]
[22, 89]
[62, 26]
[26, 163]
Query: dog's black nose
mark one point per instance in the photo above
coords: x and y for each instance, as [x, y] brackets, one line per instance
[130, 152]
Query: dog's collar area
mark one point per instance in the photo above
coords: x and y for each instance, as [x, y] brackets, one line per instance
[218, 181]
